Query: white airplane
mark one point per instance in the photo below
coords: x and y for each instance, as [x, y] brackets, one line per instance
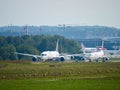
[87, 49]
[46, 55]
[91, 49]
[95, 53]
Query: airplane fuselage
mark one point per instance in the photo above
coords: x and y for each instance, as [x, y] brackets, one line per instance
[94, 55]
[49, 55]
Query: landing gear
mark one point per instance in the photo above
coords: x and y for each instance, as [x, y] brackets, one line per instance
[96, 60]
[90, 60]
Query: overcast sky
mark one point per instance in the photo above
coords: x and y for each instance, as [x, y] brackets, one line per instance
[54, 12]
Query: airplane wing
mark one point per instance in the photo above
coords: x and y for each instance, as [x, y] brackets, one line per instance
[32, 55]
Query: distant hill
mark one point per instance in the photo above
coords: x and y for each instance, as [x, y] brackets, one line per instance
[71, 32]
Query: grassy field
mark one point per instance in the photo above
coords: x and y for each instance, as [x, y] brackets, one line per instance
[38, 84]
[22, 75]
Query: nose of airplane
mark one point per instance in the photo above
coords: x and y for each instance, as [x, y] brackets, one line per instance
[43, 57]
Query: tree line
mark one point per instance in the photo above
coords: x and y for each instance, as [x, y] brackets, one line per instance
[34, 45]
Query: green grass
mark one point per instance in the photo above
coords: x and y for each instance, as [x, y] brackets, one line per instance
[38, 84]
[59, 76]
[17, 70]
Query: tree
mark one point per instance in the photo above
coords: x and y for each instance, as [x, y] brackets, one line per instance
[6, 52]
[34, 45]
[3, 41]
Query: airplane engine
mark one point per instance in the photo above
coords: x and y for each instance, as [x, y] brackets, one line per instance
[62, 59]
[34, 59]
[105, 59]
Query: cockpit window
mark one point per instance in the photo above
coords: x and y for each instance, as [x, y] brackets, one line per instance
[43, 54]
[87, 51]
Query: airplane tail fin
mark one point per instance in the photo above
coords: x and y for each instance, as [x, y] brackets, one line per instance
[102, 47]
[57, 45]
[102, 43]
[83, 47]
